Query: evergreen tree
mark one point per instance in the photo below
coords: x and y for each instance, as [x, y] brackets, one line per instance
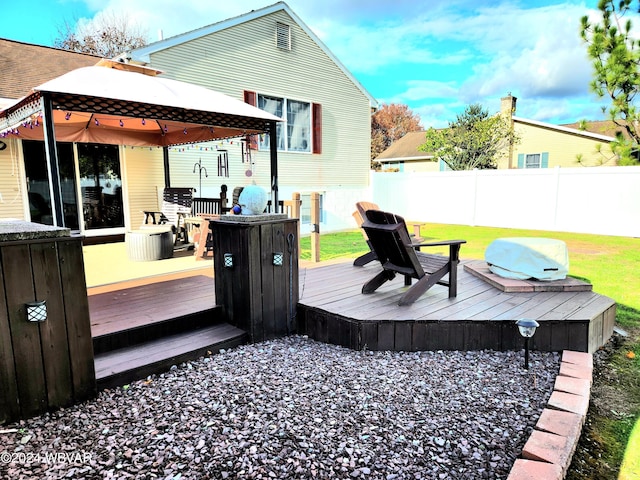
[615, 53]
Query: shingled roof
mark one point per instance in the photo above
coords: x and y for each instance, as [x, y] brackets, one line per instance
[406, 148]
[602, 127]
[25, 66]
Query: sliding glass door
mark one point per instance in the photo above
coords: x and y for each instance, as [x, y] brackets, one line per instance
[100, 186]
[91, 185]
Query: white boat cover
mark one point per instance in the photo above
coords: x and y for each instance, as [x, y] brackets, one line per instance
[524, 258]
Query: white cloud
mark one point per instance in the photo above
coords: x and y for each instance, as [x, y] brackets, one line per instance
[435, 56]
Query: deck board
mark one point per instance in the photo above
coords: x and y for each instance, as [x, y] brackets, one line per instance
[332, 308]
[480, 316]
[155, 302]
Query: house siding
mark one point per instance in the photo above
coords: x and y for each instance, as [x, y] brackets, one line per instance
[245, 57]
[12, 184]
[562, 147]
[143, 182]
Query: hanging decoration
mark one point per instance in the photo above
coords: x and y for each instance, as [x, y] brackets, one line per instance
[246, 155]
[223, 163]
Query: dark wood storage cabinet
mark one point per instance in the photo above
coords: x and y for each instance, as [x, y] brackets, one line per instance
[256, 273]
[44, 365]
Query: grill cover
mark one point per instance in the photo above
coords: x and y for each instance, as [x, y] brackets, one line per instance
[523, 258]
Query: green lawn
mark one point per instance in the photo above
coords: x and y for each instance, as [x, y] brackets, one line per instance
[611, 264]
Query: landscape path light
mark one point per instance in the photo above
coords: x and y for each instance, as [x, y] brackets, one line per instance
[527, 328]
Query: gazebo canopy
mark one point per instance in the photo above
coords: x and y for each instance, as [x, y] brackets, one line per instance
[106, 104]
[123, 104]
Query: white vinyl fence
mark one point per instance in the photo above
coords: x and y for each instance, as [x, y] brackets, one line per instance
[598, 200]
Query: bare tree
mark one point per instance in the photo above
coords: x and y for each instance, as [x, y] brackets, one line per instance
[107, 35]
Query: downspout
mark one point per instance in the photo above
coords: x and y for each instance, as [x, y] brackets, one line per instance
[53, 165]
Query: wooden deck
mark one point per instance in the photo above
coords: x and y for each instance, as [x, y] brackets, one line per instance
[144, 326]
[333, 309]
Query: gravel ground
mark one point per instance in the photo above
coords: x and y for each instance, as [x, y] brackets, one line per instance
[296, 408]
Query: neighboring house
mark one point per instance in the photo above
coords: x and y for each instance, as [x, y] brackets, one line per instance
[404, 155]
[267, 57]
[542, 145]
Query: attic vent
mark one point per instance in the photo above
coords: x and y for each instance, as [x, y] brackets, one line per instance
[283, 36]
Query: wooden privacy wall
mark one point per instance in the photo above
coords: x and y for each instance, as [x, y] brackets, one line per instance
[44, 365]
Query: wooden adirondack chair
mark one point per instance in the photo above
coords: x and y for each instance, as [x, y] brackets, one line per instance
[390, 240]
[359, 215]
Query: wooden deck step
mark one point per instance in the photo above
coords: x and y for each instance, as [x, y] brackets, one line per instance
[124, 365]
[141, 333]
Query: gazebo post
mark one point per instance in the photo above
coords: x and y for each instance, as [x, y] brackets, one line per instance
[55, 191]
[273, 147]
[167, 176]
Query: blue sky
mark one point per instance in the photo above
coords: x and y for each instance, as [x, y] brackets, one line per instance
[436, 56]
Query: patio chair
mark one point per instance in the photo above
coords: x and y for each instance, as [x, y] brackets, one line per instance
[176, 205]
[390, 240]
[360, 215]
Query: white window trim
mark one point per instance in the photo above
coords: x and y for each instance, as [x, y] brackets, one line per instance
[526, 155]
[285, 123]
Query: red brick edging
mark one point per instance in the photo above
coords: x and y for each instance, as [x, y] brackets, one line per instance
[548, 452]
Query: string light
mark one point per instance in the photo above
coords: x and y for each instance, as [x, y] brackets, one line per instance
[97, 122]
[185, 130]
[121, 123]
[144, 122]
[67, 116]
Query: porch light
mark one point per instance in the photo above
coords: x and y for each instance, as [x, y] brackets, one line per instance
[527, 328]
[36, 311]
[228, 260]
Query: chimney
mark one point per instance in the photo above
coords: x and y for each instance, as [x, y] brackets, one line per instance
[508, 108]
[508, 105]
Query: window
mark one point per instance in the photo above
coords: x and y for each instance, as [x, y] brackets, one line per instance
[297, 123]
[275, 106]
[533, 160]
[301, 130]
[305, 209]
[283, 36]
